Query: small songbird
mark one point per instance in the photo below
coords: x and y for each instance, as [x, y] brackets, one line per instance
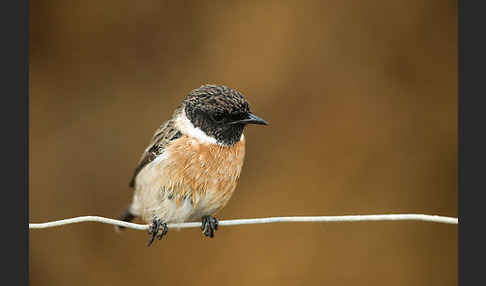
[191, 167]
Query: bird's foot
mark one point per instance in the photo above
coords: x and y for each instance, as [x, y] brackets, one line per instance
[157, 228]
[209, 225]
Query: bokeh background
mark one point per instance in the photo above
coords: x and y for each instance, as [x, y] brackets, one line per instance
[361, 97]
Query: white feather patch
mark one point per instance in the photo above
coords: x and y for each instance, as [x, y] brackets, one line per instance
[186, 127]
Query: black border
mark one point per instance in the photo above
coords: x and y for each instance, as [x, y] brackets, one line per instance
[14, 23]
[472, 141]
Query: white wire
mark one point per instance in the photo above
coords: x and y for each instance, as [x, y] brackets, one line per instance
[345, 218]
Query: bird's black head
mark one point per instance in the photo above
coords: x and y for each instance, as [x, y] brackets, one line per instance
[220, 112]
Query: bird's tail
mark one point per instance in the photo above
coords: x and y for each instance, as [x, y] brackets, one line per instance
[127, 216]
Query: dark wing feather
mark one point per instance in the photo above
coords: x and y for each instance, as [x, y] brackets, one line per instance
[162, 137]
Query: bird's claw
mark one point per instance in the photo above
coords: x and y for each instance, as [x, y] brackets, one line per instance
[209, 225]
[157, 228]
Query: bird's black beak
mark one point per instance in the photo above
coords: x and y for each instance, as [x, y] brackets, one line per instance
[251, 119]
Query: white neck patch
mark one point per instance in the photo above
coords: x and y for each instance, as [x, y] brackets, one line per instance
[186, 127]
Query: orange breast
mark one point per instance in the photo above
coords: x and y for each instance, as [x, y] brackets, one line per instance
[207, 172]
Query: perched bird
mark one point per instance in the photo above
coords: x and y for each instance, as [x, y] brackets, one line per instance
[191, 167]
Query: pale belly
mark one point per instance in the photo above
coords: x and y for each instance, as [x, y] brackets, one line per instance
[184, 210]
[163, 203]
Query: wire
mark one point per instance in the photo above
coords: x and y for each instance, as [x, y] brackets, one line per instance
[345, 218]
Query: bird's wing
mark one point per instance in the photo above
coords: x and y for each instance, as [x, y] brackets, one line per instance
[166, 133]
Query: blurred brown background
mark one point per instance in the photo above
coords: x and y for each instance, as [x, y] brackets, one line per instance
[361, 97]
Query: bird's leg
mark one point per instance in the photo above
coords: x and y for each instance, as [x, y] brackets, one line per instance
[209, 225]
[157, 228]
[164, 231]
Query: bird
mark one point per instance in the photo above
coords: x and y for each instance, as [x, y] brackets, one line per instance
[192, 165]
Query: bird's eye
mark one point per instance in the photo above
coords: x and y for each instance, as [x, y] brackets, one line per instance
[218, 117]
